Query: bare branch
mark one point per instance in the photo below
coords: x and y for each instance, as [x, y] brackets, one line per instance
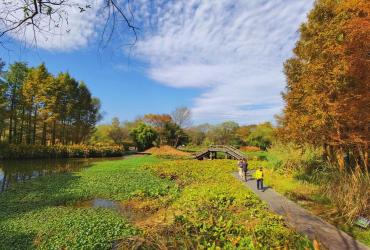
[45, 16]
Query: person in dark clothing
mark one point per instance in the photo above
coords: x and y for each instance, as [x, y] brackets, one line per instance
[245, 169]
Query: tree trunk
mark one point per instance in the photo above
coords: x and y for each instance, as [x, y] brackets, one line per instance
[22, 126]
[29, 128]
[53, 132]
[340, 158]
[10, 136]
[43, 140]
[34, 126]
[15, 122]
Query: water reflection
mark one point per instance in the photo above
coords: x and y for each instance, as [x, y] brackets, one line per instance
[20, 171]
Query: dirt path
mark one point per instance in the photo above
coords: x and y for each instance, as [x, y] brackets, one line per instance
[305, 222]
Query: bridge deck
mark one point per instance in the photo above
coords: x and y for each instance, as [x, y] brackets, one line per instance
[229, 151]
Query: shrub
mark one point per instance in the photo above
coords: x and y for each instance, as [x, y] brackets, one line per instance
[292, 157]
[349, 192]
[11, 151]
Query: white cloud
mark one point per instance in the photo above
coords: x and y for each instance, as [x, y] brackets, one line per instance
[232, 49]
[74, 31]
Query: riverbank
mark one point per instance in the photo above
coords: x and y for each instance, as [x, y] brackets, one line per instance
[23, 151]
[171, 203]
[13, 171]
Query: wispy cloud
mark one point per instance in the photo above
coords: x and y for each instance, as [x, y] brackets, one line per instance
[232, 49]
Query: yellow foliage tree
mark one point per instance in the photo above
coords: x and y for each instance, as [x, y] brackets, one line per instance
[328, 83]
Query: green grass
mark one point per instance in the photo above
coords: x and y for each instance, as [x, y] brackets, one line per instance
[215, 210]
[35, 213]
[256, 155]
[210, 209]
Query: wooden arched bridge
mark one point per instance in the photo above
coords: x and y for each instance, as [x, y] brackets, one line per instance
[230, 152]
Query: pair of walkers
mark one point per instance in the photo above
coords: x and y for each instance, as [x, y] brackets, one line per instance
[243, 171]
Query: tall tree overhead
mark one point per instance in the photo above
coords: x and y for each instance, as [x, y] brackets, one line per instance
[328, 82]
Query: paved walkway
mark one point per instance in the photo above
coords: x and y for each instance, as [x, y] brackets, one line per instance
[305, 222]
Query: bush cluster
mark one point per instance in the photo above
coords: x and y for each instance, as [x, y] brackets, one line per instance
[11, 151]
[347, 190]
[292, 157]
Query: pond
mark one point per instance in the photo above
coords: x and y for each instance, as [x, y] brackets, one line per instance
[19, 171]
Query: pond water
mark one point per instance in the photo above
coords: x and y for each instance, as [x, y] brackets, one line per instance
[19, 171]
[99, 203]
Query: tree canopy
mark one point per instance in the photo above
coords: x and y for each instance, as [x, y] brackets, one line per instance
[261, 136]
[143, 136]
[39, 108]
[328, 81]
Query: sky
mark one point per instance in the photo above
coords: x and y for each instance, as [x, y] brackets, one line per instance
[223, 59]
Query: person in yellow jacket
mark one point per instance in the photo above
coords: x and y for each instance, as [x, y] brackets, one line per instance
[259, 178]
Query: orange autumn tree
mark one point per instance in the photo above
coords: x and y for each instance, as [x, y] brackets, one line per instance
[169, 133]
[327, 95]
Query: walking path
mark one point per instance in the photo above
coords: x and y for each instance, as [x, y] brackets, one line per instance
[305, 222]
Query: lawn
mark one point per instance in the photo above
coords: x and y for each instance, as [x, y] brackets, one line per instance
[171, 203]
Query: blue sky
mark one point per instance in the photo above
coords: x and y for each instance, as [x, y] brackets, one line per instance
[124, 93]
[223, 59]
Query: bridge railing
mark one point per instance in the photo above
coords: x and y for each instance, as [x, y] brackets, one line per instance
[230, 149]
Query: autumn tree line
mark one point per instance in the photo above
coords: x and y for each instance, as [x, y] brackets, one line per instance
[176, 129]
[39, 108]
[328, 83]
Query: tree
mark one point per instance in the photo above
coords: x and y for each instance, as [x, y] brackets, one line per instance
[85, 113]
[173, 135]
[2, 100]
[261, 136]
[15, 78]
[169, 133]
[32, 91]
[143, 136]
[182, 117]
[157, 120]
[117, 133]
[160, 123]
[101, 135]
[224, 133]
[39, 108]
[328, 82]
